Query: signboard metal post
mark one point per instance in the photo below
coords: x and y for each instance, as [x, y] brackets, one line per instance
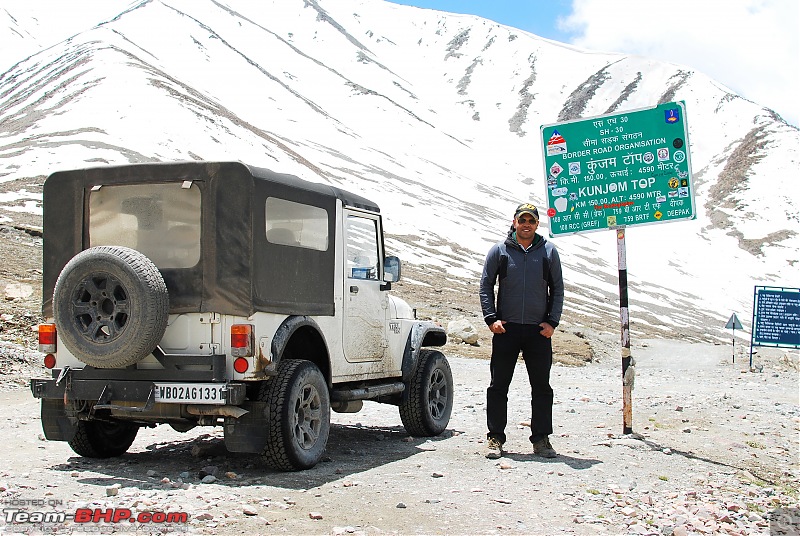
[734, 324]
[628, 369]
[615, 171]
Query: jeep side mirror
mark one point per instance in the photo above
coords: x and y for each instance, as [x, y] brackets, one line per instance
[391, 269]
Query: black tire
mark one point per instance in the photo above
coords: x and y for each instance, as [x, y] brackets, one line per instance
[111, 306]
[298, 416]
[99, 439]
[426, 410]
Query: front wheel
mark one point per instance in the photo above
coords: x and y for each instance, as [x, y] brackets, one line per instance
[426, 410]
[100, 439]
[298, 416]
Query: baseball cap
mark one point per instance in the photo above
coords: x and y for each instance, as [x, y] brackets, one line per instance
[527, 208]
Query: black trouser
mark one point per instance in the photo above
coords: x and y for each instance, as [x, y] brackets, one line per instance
[537, 351]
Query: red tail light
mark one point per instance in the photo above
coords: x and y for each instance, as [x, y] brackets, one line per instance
[47, 338]
[241, 340]
[49, 361]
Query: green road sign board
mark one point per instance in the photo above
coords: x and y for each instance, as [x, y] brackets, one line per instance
[618, 170]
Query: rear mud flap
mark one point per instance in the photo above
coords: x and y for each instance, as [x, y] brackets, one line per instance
[55, 423]
[248, 433]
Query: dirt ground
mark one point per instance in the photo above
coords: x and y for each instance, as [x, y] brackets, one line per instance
[715, 452]
[715, 449]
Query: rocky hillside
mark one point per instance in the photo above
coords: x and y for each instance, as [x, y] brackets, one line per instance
[435, 116]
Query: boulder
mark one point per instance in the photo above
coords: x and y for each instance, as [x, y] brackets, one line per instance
[462, 329]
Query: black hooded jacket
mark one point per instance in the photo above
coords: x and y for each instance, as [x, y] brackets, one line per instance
[531, 287]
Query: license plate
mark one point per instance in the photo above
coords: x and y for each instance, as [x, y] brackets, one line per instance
[190, 393]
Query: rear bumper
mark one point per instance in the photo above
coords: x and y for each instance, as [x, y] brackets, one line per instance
[127, 385]
[104, 391]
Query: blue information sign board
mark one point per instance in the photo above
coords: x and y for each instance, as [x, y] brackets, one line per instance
[776, 317]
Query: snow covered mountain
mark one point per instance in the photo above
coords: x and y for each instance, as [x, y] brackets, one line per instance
[434, 116]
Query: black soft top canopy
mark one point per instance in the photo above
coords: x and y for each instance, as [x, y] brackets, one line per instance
[240, 272]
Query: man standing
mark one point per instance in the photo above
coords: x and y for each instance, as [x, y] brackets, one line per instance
[524, 316]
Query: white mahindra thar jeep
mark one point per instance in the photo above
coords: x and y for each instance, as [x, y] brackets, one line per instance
[214, 293]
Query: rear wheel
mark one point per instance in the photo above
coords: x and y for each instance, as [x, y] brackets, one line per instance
[426, 410]
[298, 416]
[100, 439]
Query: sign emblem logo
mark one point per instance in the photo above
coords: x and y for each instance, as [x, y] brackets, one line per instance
[672, 115]
[556, 144]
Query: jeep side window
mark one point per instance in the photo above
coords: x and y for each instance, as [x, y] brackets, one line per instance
[362, 248]
[296, 224]
[160, 220]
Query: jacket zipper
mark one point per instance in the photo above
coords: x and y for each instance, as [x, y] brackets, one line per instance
[524, 280]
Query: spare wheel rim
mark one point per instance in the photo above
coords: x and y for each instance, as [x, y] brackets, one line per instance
[100, 308]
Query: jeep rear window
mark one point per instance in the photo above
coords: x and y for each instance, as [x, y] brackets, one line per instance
[296, 224]
[160, 220]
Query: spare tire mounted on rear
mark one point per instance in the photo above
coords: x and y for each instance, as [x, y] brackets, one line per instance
[111, 306]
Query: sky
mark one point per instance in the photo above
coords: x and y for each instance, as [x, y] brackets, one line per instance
[750, 46]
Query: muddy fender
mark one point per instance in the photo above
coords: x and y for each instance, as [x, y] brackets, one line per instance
[422, 334]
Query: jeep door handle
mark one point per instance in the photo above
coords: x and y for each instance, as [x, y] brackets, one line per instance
[353, 289]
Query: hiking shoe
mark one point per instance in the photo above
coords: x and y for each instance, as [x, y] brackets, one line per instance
[494, 449]
[544, 449]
